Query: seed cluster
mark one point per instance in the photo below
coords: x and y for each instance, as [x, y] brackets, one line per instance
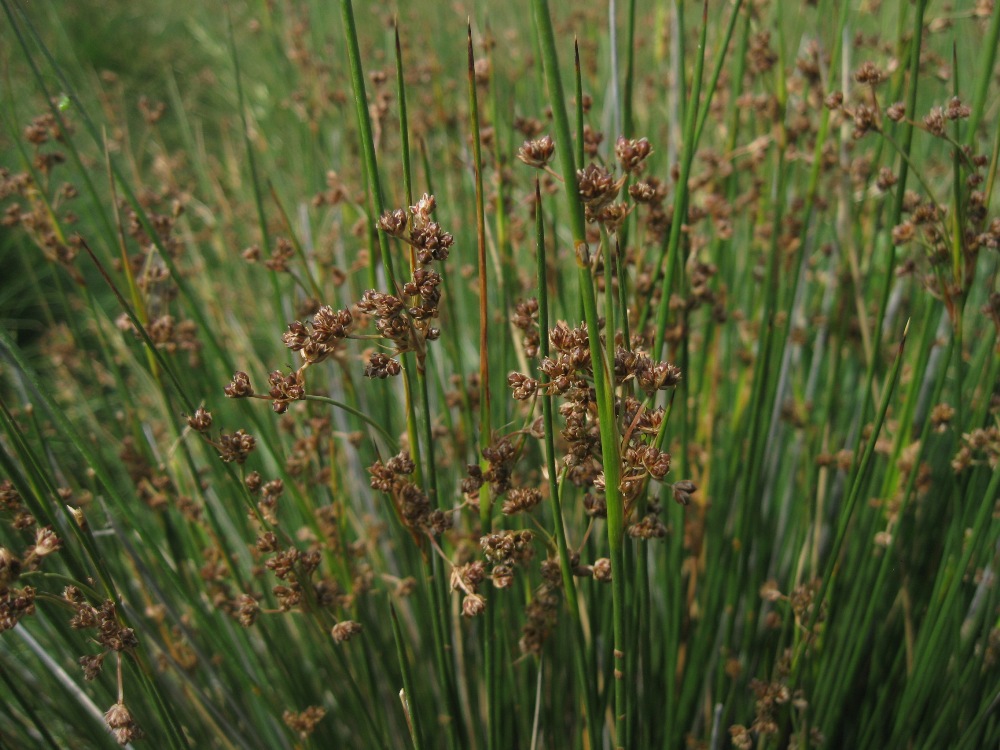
[568, 374]
[403, 319]
[19, 602]
[395, 478]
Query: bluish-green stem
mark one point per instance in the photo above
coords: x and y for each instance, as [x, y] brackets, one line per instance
[988, 58]
[581, 653]
[485, 428]
[628, 123]
[849, 505]
[870, 598]
[578, 106]
[83, 534]
[408, 693]
[603, 384]
[900, 188]
[377, 207]
[670, 256]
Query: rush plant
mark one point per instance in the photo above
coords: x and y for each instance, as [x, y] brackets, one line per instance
[494, 377]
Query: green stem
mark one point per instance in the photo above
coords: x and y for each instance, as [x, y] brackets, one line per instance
[408, 693]
[688, 145]
[584, 669]
[900, 188]
[985, 75]
[628, 121]
[602, 376]
[390, 440]
[485, 428]
[852, 499]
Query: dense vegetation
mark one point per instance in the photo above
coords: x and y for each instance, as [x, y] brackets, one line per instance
[491, 377]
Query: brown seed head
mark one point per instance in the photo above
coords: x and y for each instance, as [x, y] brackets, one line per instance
[331, 325]
[381, 366]
[632, 153]
[122, 725]
[956, 110]
[10, 498]
[236, 447]
[92, 665]
[473, 605]
[896, 112]
[869, 74]
[46, 542]
[642, 192]
[345, 630]
[521, 500]
[602, 570]
[537, 153]
[903, 233]
[865, 119]
[612, 217]
[934, 121]
[200, 421]
[247, 610]
[239, 387]
[522, 386]
[886, 179]
[285, 389]
[834, 100]
[597, 187]
[304, 722]
[393, 222]
[424, 208]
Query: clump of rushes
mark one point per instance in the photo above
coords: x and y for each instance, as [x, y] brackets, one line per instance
[740, 280]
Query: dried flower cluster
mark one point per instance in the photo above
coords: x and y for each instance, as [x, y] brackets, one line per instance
[109, 632]
[304, 722]
[467, 578]
[404, 320]
[19, 602]
[568, 374]
[395, 478]
[537, 152]
[122, 724]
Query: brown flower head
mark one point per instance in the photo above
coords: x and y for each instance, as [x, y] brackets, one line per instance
[522, 386]
[381, 366]
[200, 421]
[537, 153]
[602, 570]
[46, 542]
[896, 112]
[345, 630]
[597, 187]
[92, 665]
[122, 725]
[247, 610]
[239, 387]
[632, 153]
[521, 500]
[869, 74]
[236, 447]
[473, 605]
[304, 722]
[285, 389]
[393, 222]
[934, 121]
[956, 110]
